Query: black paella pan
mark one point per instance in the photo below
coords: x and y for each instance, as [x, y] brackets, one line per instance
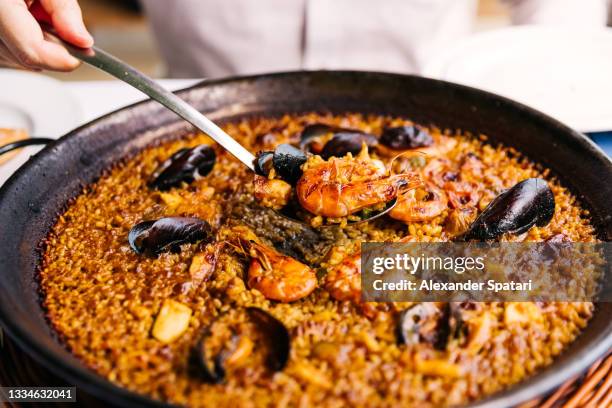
[32, 199]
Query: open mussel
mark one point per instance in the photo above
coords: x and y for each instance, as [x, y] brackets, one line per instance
[530, 202]
[156, 236]
[314, 136]
[405, 137]
[287, 161]
[423, 322]
[263, 163]
[331, 141]
[252, 342]
[186, 165]
[344, 143]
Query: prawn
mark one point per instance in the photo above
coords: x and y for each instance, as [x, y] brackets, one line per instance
[277, 276]
[343, 283]
[343, 186]
[420, 204]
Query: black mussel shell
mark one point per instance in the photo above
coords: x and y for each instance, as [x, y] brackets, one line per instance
[186, 165]
[418, 323]
[515, 211]
[263, 163]
[405, 137]
[347, 142]
[287, 161]
[314, 131]
[156, 236]
[276, 335]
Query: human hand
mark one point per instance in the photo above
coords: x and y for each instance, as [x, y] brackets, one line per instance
[23, 43]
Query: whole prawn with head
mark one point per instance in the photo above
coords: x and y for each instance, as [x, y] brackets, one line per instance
[343, 186]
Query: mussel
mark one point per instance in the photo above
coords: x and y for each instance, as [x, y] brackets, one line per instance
[312, 136]
[405, 137]
[263, 163]
[343, 140]
[156, 236]
[287, 161]
[530, 202]
[215, 357]
[423, 322]
[347, 142]
[185, 165]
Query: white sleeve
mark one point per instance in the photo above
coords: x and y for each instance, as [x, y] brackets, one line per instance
[574, 13]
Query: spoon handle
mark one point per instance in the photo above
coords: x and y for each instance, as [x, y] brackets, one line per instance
[124, 72]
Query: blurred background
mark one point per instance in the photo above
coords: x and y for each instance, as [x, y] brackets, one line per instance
[120, 27]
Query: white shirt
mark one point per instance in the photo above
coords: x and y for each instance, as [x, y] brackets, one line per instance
[212, 38]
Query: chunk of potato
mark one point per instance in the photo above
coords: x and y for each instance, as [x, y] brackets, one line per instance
[172, 321]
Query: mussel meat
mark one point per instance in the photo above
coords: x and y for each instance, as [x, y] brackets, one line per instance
[235, 344]
[185, 165]
[347, 142]
[530, 202]
[156, 236]
[405, 137]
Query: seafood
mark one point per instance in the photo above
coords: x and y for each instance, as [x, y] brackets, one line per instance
[153, 237]
[286, 160]
[203, 263]
[277, 276]
[184, 166]
[257, 330]
[343, 282]
[422, 322]
[420, 204]
[347, 142]
[263, 163]
[462, 194]
[440, 171]
[313, 137]
[515, 211]
[460, 219]
[343, 186]
[405, 137]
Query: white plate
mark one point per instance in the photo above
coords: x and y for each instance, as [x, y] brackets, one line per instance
[564, 73]
[42, 105]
